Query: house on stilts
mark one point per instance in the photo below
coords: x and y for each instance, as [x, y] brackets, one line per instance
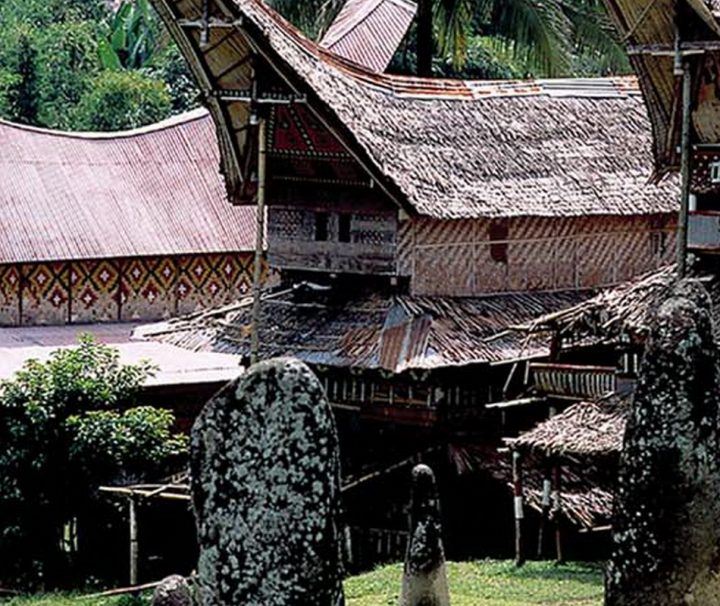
[418, 226]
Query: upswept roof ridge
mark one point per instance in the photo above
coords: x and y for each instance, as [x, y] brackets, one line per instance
[149, 191]
[456, 149]
[369, 32]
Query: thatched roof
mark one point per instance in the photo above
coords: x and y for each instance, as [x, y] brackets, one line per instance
[149, 191]
[371, 331]
[649, 30]
[586, 495]
[443, 148]
[620, 312]
[585, 429]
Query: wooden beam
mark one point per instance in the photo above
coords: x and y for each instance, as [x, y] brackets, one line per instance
[670, 49]
[514, 403]
[684, 172]
[133, 525]
[518, 507]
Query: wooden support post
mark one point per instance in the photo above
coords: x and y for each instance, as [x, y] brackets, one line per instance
[684, 172]
[205, 32]
[259, 241]
[133, 540]
[546, 502]
[557, 513]
[518, 507]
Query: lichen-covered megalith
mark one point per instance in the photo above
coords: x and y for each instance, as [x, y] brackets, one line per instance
[424, 575]
[266, 491]
[667, 509]
[172, 591]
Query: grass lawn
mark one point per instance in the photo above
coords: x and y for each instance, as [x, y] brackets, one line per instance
[491, 583]
[483, 583]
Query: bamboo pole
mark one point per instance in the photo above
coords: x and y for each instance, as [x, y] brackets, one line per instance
[518, 507]
[545, 514]
[684, 172]
[133, 541]
[259, 240]
[557, 513]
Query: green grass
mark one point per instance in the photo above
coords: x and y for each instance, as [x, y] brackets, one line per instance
[482, 583]
[491, 583]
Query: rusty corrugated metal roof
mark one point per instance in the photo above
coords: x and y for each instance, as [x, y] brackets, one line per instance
[151, 191]
[368, 32]
[372, 330]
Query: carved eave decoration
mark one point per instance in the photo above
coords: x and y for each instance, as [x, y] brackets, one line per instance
[241, 77]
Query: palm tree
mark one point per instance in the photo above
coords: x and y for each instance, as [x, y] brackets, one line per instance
[544, 34]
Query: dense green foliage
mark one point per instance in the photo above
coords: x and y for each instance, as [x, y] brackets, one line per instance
[67, 425]
[55, 54]
[75, 65]
[493, 38]
[484, 583]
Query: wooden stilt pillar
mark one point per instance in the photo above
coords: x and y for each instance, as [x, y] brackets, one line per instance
[557, 513]
[133, 541]
[684, 170]
[259, 242]
[518, 507]
[546, 502]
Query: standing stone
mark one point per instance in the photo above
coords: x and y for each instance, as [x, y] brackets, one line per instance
[266, 491]
[172, 591]
[424, 576]
[667, 509]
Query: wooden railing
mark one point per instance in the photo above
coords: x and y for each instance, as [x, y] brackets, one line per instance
[572, 381]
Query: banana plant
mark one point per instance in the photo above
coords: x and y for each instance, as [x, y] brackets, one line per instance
[132, 41]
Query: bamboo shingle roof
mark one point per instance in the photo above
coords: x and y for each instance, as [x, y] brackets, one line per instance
[442, 148]
[150, 191]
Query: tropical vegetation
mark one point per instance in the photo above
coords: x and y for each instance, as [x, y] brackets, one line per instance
[68, 425]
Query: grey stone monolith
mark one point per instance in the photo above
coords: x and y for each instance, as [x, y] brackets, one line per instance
[266, 491]
[667, 507]
[424, 575]
[172, 591]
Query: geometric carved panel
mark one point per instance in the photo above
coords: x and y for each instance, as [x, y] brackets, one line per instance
[9, 295]
[94, 291]
[46, 293]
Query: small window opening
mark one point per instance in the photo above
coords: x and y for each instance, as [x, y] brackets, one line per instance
[715, 172]
[344, 228]
[321, 227]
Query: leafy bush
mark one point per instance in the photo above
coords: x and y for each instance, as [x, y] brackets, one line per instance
[66, 426]
[118, 100]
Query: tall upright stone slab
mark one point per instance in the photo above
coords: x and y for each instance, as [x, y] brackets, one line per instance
[266, 491]
[667, 509]
[424, 575]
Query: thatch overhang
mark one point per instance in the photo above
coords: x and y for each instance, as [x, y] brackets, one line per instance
[651, 31]
[620, 315]
[383, 332]
[583, 430]
[441, 148]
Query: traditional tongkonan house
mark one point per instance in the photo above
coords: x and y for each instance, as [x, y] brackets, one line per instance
[675, 50]
[118, 227]
[415, 223]
[422, 217]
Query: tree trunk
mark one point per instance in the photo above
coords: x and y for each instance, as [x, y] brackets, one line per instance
[425, 40]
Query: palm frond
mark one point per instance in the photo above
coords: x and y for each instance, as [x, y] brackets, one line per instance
[453, 19]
